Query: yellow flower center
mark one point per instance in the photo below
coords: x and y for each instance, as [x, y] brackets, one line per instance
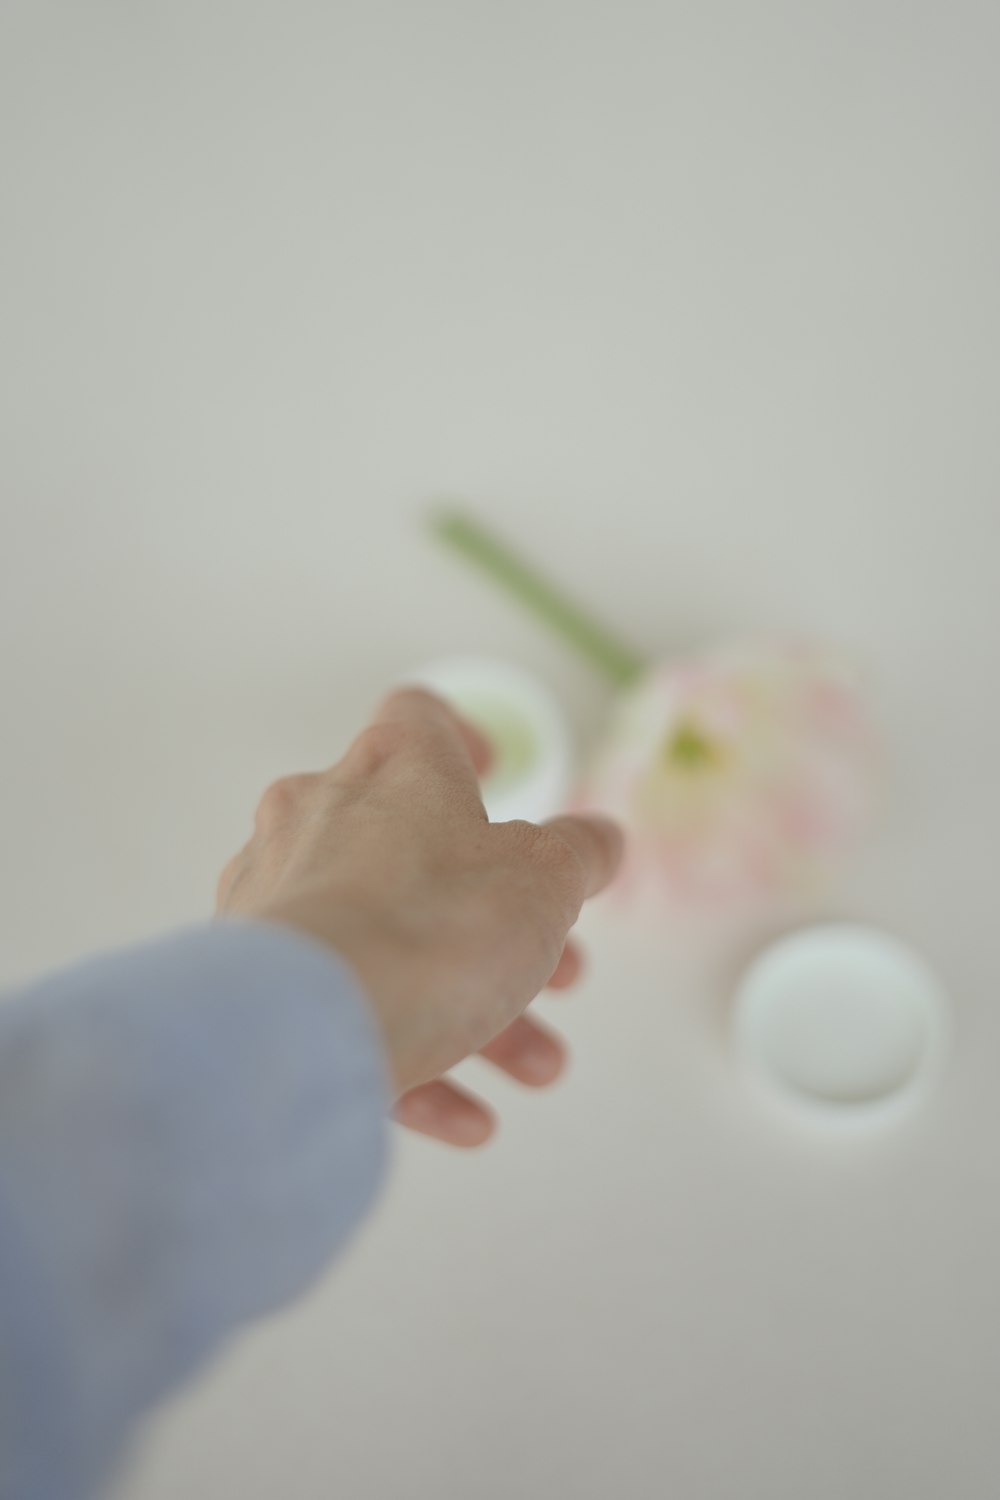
[689, 749]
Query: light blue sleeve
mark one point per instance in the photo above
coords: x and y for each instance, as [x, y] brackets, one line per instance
[189, 1131]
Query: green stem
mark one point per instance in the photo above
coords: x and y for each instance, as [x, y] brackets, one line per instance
[597, 645]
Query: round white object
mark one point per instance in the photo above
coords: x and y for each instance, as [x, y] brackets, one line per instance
[532, 754]
[844, 1022]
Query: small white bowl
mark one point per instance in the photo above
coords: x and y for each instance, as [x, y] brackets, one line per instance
[531, 773]
[843, 1023]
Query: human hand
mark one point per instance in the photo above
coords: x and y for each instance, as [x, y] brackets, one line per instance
[452, 924]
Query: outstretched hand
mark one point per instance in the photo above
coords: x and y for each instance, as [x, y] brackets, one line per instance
[452, 924]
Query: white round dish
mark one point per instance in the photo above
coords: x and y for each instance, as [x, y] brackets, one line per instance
[843, 1023]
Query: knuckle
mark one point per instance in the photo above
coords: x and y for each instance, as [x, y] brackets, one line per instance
[378, 746]
[226, 881]
[280, 799]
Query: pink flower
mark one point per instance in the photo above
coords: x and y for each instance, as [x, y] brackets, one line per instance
[738, 774]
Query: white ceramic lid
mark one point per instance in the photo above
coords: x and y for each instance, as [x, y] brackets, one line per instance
[844, 1023]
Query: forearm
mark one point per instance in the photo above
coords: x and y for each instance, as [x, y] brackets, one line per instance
[189, 1130]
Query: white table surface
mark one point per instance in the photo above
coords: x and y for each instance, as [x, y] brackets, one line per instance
[699, 302]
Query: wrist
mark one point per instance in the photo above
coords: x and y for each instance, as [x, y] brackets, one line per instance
[348, 935]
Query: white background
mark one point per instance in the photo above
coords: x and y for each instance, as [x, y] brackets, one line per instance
[699, 303]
